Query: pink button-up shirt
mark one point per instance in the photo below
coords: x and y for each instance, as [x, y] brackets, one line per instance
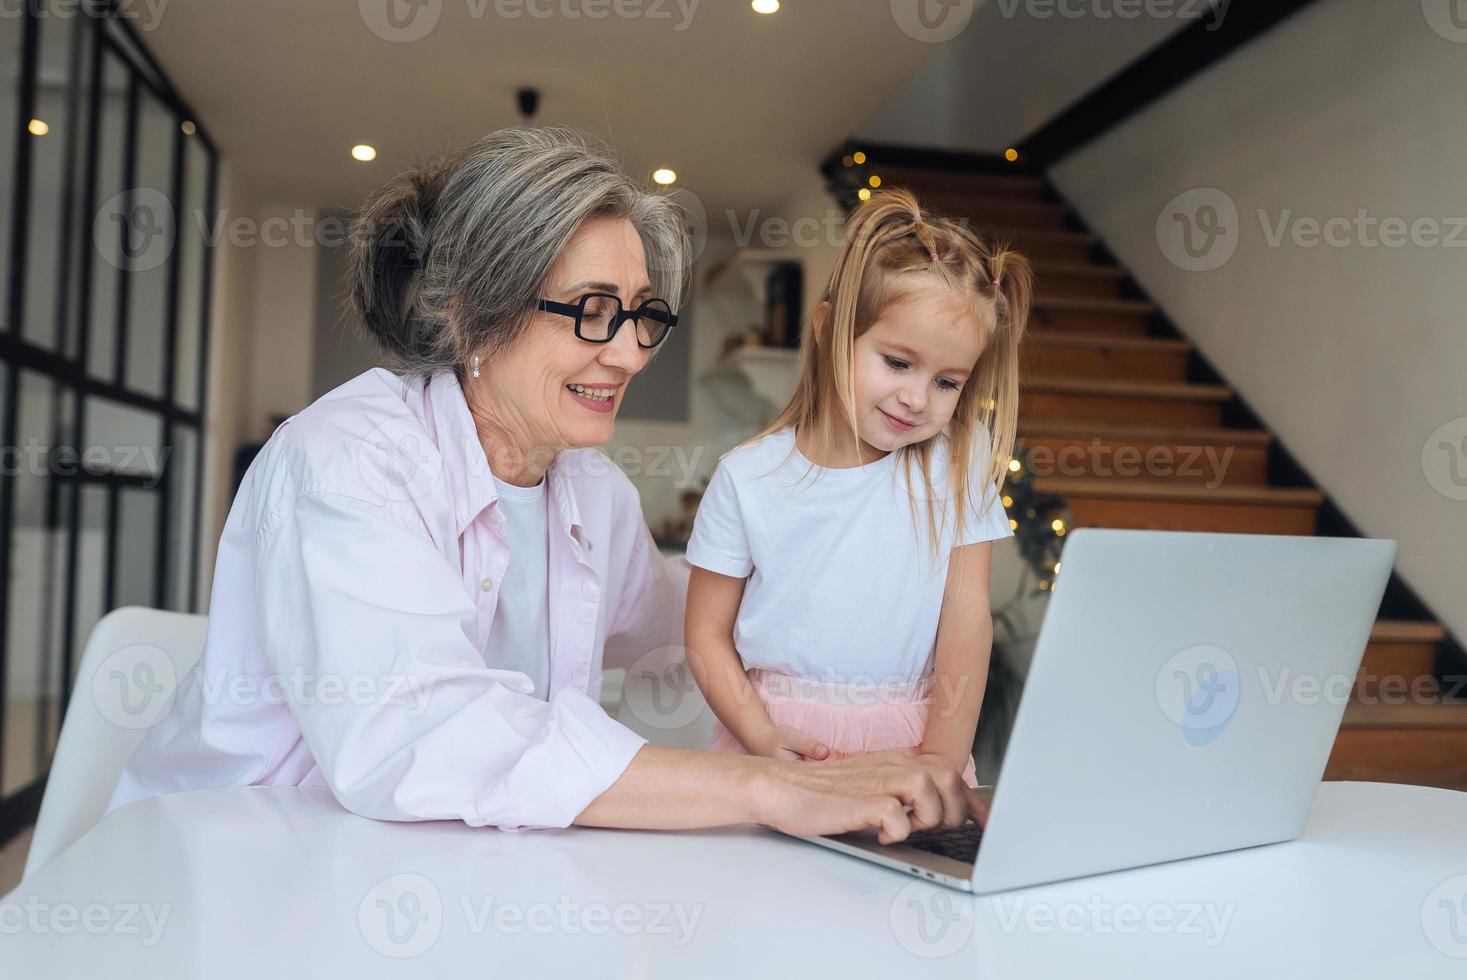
[355, 585]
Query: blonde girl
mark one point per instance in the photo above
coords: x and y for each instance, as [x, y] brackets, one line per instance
[838, 604]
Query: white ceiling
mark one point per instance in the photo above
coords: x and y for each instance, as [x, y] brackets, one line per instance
[742, 106]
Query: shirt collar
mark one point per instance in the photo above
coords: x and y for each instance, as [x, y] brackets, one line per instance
[470, 482]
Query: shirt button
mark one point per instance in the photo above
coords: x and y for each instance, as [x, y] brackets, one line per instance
[486, 585]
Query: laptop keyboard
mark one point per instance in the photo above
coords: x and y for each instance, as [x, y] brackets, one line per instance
[958, 843]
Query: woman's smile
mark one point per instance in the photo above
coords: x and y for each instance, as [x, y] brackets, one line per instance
[598, 398]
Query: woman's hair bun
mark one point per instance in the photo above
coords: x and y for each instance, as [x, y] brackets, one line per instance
[389, 247]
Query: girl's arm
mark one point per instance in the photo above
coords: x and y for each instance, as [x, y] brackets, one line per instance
[964, 643]
[712, 606]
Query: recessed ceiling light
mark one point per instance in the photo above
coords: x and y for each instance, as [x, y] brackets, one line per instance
[363, 152]
[664, 176]
[765, 6]
[38, 127]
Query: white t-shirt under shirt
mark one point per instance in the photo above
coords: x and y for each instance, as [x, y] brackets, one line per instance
[519, 636]
[842, 584]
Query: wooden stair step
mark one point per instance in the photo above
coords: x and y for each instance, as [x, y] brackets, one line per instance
[1106, 400]
[1170, 505]
[1061, 246]
[920, 181]
[1421, 744]
[1063, 354]
[1209, 456]
[1399, 653]
[1161, 434]
[1001, 213]
[1093, 315]
[1133, 307]
[1407, 631]
[1167, 489]
[1078, 279]
[1433, 715]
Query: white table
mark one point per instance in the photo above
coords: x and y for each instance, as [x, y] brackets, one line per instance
[282, 883]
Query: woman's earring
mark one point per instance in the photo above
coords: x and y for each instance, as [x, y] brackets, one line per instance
[474, 366]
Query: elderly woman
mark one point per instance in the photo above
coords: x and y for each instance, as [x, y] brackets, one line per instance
[424, 573]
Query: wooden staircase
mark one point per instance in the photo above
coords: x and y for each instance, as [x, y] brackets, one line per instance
[1109, 385]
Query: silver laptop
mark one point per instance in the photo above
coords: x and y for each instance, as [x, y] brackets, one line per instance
[1182, 700]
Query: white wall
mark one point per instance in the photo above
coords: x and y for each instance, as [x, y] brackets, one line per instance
[1354, 355]
[1015, 66]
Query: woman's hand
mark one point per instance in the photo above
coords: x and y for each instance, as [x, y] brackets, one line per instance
[788, 743]
[895, 793]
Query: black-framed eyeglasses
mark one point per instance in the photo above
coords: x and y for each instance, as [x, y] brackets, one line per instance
[599, 316]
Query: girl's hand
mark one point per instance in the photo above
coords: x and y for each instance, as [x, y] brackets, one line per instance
[885, 790]
[788, 743]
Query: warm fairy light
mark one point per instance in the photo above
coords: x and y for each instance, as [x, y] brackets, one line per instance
[874, 181]
[1008, 501]
[38, 127]
[1058, 525]
[1011, 154]
[859, 157]
[188, 127]
[1056, 568]
[664, 176]
[863, 194]
[847, 160]
[1014, 465]
[363, 152]
[765, 6]
[1013, 524]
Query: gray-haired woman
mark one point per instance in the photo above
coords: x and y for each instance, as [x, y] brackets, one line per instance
[424, 573]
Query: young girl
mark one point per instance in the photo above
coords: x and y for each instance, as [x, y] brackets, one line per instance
[838, 603]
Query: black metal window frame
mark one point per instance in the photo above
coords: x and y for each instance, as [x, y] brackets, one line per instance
[104, 36]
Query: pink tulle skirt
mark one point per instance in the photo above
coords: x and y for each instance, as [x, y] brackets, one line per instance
[851, 720]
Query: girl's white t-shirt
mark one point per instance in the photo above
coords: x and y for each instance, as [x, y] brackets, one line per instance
[842, 585]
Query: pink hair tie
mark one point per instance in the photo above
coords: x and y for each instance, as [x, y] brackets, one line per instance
[933, 256]
[995, 282]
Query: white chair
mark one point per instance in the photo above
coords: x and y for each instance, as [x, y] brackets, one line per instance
[133, 661]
